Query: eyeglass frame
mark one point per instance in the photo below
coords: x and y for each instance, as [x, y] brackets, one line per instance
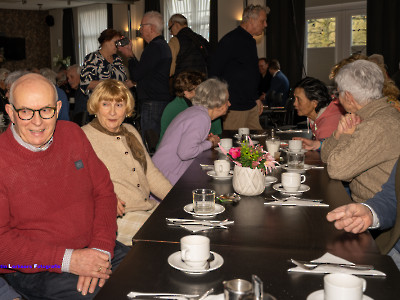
[170, 27]
[33, 112]
[141, 25]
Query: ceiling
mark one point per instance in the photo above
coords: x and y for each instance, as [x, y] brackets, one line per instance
[53, 4]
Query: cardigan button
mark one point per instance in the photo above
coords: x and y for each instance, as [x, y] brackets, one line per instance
[145, 199]
[126, 153]
[138, 185]
[118, 137]
[134, 169]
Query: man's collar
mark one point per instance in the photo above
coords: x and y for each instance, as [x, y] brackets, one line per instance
[29, 146]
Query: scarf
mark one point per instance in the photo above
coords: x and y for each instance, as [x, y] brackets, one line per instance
[137, 150]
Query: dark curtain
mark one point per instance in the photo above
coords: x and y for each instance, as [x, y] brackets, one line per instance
[213, 24]
[285, 36]
[383, 31]
[152, 5]
[68, 35]
[110, 22]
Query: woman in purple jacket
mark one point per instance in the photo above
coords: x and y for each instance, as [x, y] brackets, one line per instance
[188, 134]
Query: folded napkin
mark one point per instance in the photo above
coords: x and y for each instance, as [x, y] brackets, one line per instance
[330, 258]
[196, 228]
[215, 297]
[296, 202]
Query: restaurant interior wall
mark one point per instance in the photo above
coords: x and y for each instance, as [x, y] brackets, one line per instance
[30, 25]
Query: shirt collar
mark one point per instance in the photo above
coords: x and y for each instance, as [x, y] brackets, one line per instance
[29, 146]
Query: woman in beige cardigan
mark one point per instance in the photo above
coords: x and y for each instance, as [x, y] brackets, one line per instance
[121, 149]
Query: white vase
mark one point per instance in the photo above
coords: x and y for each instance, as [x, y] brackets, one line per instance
[248, 182]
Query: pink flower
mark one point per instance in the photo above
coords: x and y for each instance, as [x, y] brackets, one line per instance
[234, 152]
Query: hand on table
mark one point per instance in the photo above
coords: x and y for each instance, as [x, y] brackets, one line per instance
[90, 265]
[347, 125]
[355, 217]
[309, 144]
[214, 139]
[120, 207]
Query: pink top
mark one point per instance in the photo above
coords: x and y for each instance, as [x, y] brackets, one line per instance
[327, 120]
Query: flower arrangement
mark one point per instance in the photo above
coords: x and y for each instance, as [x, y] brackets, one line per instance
[251, 156]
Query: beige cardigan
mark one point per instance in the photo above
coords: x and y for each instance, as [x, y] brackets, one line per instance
[366, 157]
[131, 184]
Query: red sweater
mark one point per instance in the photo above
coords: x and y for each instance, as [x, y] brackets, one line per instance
[53, 200]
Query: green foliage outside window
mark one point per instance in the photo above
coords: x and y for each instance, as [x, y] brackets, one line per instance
[321, 32]
[359, 30]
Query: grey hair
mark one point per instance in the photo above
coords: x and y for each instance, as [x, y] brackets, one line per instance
[178, 18]
[13, 76]
[253, 11]
[3, 73]
[211, 93]
[49, 74]
[77, 67]
[156, 19]
[363, 79]
[16, 82]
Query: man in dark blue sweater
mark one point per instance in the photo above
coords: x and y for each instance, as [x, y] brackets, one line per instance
[236, 62]
[151, 74]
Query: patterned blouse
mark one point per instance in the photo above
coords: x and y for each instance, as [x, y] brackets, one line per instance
[96, 67]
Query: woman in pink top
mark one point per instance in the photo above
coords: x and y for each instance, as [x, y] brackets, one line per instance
[312, 100]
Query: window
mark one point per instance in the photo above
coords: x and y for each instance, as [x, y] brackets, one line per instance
[197, 12]
[92, 20]
[359, 30]
[321, 32]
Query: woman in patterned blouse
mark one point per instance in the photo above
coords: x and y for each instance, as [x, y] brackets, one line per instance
[103, 63]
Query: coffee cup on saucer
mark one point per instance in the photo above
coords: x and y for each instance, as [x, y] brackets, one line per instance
[226, 144]
[222, 167]
[295, 145]
[291, 181]
[195, 250]
[344, 287]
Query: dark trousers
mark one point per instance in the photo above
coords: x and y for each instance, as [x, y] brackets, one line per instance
[150, 122]
[48, 285]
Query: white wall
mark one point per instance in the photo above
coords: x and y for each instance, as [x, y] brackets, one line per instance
[56, 33]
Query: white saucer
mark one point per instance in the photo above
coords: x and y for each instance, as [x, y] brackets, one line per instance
[302, 151]
[215, 176]
[294, 170]
[270, 180]
[319, 295]
[217, 210]
[303, 188]
[254, 142]
[176, 262]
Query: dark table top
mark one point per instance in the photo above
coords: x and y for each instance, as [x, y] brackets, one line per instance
[260, 242]
[145, 269]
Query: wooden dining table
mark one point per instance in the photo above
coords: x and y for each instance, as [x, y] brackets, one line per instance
[261, 241]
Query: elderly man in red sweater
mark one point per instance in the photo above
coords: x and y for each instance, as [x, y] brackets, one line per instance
[57, 203]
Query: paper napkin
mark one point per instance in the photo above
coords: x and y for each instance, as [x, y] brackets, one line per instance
[325, 269]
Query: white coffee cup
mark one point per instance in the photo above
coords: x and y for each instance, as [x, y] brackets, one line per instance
[273, 146]
[291, 181]
[222, 167]
[243, 130]
[295, 145]
[195, 250]
[226, 144]
[344, 287]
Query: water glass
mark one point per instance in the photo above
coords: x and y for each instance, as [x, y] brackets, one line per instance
[203, 200]
[296, 160]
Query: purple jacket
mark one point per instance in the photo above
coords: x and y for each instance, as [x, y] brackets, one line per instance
[184, 139]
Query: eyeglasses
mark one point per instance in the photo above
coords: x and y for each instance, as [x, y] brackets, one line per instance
[141, 25]
[336, 94]
[28, 113]
[170, 27]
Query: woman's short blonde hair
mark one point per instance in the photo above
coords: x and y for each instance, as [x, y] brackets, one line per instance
[211, 93]
[111, 90]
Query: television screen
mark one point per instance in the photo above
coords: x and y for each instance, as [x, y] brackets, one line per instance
[14, 48]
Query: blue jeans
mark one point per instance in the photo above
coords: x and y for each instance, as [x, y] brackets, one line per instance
[150, 121]
[48, 285]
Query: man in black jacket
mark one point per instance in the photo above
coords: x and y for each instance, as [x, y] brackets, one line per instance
[190, 50]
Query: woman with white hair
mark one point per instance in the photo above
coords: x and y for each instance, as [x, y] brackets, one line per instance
[188, 134]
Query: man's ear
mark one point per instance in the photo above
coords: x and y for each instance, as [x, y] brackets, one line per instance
[58, 105]
[10, 112]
